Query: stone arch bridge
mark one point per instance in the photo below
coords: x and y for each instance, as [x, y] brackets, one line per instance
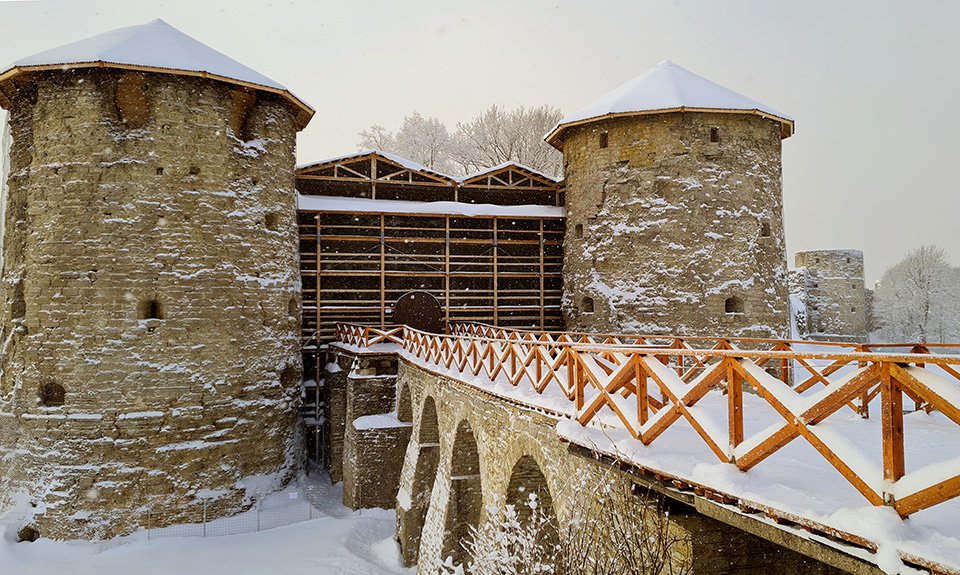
[447, 428]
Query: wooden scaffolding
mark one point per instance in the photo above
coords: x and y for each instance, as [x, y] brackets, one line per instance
[374, 227]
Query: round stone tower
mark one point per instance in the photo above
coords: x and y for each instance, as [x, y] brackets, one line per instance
[674, 210]
[150, 366]
[835, 294]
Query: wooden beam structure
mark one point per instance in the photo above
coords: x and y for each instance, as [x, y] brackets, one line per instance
[498, 269]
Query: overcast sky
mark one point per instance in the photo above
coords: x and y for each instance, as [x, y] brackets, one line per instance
[871, 84]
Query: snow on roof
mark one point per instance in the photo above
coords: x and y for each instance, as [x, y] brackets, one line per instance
[408, 164]
[667, 87]
[154, 46]
[499, 167]
[358, 205]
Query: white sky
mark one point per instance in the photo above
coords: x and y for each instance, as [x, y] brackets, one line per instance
[871, 84]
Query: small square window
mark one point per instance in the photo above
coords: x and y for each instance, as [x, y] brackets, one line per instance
[603, 140]
[715, 135]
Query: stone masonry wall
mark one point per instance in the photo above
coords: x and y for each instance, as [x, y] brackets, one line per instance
[664, 226]
[151, 275]
[836, 297]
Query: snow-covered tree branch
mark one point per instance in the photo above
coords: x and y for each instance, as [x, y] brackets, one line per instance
[495, 136]
[918, 299]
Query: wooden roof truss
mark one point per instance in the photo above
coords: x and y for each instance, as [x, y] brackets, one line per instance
[372, 168]
[511, 177]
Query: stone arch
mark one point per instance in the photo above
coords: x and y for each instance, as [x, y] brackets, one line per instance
[429, 429]
[404, 406]
[526, 480]
[466, 500]
[412, 513]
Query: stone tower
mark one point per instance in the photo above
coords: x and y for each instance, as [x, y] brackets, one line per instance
[150, 363]
[835, 294]
[674, 210]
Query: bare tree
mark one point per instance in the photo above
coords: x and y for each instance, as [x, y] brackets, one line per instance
[612, 532]
[499, 135]
[376, 137]
[918, 299]
[423, 140]
[495, 136]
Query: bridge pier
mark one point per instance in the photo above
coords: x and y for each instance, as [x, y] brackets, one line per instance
[374, 436]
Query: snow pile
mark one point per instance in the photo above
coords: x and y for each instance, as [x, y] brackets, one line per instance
[357, 205]
[667, 86]
[337, 541]
[155, 44]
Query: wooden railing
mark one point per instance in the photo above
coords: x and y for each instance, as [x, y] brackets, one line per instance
[797, 372]
[365, 336]
[647, 386]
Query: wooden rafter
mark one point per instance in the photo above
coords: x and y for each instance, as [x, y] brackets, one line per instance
[366, 167]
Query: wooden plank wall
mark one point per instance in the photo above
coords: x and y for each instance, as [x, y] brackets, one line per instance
[500, 270]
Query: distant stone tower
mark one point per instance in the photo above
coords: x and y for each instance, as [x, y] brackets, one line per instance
[150, 358]
[835, 294]
[674, 210]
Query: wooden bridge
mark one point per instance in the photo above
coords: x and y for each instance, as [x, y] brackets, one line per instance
[753, 405]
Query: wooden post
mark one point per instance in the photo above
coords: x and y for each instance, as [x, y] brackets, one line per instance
[892, 428]
[496, 279]
[446, 272]
[864, 407]
[538, 359]
[383, 278]
[734, 407]
[643, 405]
[919, 348]
[316, 297]
[543, 247]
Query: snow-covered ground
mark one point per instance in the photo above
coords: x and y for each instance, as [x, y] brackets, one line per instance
[339, 541]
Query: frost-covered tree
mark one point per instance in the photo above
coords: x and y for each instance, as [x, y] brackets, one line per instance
[495, 136]
[500, 135]
[612, 532]
[918, 299]
[376, 137]
[423, 140]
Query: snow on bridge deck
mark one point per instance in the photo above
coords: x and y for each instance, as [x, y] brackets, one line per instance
[796, 453]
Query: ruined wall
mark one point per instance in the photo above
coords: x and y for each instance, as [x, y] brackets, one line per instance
[150, 286]
[836, 297]
[665, 226]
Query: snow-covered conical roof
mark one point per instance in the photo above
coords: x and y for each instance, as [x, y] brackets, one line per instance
[668, 87]
[152, 47]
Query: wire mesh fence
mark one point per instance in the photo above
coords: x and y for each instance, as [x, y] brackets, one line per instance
[300, 502]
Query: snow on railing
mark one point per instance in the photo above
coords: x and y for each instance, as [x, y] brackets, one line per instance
[647, 384]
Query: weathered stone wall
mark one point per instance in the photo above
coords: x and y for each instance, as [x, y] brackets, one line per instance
[374, 438]
[152, 274]
[464, 441]
[836, 297]
[664, 226]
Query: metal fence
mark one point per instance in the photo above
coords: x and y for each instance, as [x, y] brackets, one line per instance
[300, 502]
